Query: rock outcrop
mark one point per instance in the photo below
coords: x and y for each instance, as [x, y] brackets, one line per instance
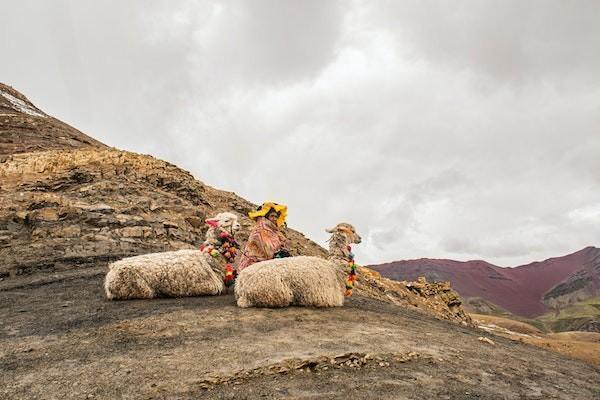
[434, 298]
[66, 209]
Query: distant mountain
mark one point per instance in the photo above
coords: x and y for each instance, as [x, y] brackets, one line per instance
[583, 284]
[527, 290]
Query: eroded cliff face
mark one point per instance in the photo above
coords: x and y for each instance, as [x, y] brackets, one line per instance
[68, 209]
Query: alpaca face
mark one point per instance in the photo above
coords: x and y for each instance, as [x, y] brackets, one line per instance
[227, 221]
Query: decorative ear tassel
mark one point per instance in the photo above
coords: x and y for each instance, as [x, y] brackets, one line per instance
[212, 222]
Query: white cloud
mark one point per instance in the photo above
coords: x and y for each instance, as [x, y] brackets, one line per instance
[440, 130]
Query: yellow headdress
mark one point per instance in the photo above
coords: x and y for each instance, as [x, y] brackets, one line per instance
[266, 207]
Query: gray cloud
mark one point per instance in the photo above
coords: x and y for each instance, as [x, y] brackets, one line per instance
[440, 130]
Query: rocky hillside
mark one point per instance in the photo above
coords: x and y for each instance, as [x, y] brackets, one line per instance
[68, 209]
[69, 201]
[77, 207]
[527, 290]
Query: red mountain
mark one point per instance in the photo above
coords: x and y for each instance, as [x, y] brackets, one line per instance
[521, 290]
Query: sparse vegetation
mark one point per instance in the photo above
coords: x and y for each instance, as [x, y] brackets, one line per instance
[573, 317]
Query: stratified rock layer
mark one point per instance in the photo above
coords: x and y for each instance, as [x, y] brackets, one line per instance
[73, 208]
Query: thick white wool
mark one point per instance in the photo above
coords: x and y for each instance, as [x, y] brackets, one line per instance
[173, 273]
[170, 274]
[301, 281]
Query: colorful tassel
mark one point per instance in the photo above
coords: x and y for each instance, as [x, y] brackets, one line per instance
[228, 248]
[352, 273]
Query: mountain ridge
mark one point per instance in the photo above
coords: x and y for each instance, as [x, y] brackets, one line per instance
[521, 290]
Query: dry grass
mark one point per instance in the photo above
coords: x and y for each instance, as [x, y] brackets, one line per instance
[582, 349]
[506, 323]
[581, 345]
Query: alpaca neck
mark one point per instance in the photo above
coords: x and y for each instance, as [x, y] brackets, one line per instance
[212, 236]
[338, 248]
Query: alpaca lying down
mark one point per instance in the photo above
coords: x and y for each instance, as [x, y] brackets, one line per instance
[302, 281]
[282, 282]
[176, 273]
[171, 274]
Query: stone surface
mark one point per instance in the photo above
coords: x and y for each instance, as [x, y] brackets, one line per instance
[107, 204]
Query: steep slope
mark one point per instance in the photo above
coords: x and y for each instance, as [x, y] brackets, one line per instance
[579, 316]
[26, 128]
[520, 290]
[68, 201]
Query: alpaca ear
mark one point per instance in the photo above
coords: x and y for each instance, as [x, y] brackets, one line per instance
[212, 222]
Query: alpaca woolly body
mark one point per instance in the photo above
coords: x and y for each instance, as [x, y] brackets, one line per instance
[173, 273]
[300, 281]
[304, 281]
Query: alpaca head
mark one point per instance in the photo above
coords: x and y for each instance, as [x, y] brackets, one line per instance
[225, 221]
[347, 231]
[342, 236]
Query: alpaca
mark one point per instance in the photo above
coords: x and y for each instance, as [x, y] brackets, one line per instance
[301, 281]
[177, 273]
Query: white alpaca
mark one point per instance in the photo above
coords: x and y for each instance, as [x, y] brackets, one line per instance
[174, 273]
[301, 281]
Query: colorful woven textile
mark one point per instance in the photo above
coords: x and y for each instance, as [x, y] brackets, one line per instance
[264, 241]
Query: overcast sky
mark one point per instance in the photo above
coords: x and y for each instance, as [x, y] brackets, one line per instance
[464, 130]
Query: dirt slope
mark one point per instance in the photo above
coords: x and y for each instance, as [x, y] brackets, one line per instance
[63, 340]
[582, 345]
